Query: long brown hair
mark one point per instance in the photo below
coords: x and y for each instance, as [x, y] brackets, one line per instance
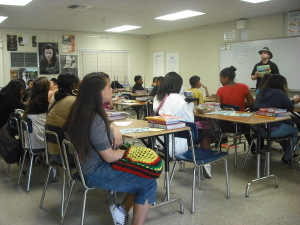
[88, 104]
[40, 85]
[276, 81]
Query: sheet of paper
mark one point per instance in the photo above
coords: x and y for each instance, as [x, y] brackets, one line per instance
[155, 129]
[123, 123]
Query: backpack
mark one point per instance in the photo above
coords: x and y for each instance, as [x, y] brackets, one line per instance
[10, 147]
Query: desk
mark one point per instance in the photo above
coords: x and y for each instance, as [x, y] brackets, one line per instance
[141, 123]
[209, 99]
[253, 120]
[135, 105]
[296, 113]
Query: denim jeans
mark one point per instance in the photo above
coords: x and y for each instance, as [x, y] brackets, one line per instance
[108, 178]
[285, 130]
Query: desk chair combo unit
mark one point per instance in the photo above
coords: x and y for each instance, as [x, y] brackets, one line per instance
[68, 148]
[200, 157]
[26, 130]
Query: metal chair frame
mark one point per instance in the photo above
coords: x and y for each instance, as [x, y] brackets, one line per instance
[276, 140]
[25, 128]
[77, 177]
[193, 135]
[236, 134]
[57, 141]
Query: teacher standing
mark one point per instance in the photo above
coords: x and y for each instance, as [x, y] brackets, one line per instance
[265, 55]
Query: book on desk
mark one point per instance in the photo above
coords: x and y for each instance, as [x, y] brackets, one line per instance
[166, 122]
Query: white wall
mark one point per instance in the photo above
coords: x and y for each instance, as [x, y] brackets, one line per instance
[199, 48]
[136, 45]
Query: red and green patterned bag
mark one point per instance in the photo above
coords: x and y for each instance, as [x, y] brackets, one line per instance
[141, 161]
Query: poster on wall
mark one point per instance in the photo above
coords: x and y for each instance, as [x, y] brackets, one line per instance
[68, 43]
[48, 58]
[68, 63]
[13, 74]
[294, 24]
[173, 62]
[12, 42]
[34, 41]
[158, 64]
[22, 40]
[229, 35]
[28, 74]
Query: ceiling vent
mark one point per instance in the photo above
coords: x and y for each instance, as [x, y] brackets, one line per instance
[80, 7]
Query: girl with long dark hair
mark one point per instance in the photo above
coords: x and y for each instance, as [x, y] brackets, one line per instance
[95, 140]
[273, 94]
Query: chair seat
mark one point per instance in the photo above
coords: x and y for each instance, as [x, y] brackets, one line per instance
[203, 155]
[38, 150]
[275, 138]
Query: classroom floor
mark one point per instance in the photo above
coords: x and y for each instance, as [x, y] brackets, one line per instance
[265, 205]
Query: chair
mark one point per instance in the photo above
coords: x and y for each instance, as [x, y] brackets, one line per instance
[232, 127]
[55, 135]
[25, 130]
[288, 137]
[130, 109]
[73, 177]
[149, 107]
[200, 157]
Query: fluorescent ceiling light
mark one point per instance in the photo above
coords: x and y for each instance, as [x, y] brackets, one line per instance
[15, 2]
[2, 18]
[123, 28]
[256, 1]
[180, 15]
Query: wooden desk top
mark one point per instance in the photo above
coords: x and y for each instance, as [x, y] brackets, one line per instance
[248, 120]
[138, 94]
[118, 102]
[209, 99]
[296, 110]
[142, 123]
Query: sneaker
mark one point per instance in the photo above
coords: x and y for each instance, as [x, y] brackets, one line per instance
[207, 170]
[284, 161]
[119, 217]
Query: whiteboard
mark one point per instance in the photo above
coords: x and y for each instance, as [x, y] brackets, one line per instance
[244, 56]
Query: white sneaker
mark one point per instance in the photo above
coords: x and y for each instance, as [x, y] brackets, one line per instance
[207, 170]
[119, 217]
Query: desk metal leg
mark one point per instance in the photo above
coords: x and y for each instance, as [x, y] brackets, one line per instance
[258, 158]
[167, 178]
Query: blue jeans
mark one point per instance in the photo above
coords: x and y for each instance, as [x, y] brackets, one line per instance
[284, 130]
[108, 178]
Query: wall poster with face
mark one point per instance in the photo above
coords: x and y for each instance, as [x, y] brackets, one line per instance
[48, 58]
[12, 42]
[68, 63]
[28, 74]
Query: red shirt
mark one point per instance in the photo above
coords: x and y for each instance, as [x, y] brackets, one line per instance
[234, 95]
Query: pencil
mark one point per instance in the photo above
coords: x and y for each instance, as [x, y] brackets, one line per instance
[269, 117]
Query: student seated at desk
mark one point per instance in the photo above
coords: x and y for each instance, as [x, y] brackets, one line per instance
[234, 94]
[37, 109]
[169, 101]
[97, 142]
[195, 85]
[273, 94]
[296, 120]
[155, 89]
[138, 83]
